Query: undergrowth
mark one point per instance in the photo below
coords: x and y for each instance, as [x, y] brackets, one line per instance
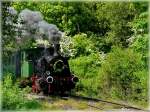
[14, 98]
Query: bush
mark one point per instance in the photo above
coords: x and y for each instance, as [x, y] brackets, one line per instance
[141, 45]
[67, 47]
[14, 97]
[83, 45]
[123, 75]
[86, 68]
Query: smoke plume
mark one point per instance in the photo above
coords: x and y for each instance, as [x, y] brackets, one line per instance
[32, 24]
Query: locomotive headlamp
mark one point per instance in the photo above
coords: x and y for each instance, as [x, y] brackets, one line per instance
[49, 79]
[75, 79]
[58, 66]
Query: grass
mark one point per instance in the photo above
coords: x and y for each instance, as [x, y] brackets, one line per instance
[57, 103]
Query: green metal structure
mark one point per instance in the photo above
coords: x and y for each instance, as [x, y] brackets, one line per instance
[21, 62]
[26, 65]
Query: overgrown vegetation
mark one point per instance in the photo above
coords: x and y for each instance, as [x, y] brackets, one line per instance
[124, 75]
[14, 97]
[108, 42]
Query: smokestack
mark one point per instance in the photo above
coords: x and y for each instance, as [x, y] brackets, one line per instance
[54, 36]
[56, 49]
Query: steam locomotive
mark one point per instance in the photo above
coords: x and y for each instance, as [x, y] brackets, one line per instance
[46, 70]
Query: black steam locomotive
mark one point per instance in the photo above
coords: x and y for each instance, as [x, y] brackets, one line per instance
[47, 70]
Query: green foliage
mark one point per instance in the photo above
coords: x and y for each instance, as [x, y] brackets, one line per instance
[140, 45]
[115, 17]
[92, 29]
[99, 42]
[8, 35]
[123, 75]
[67, 47]
[140, 24]
[110, 21]
[87, 68]
[28, 43]
[14, 97]
[83, 45]
[139, 40]
[71, 17]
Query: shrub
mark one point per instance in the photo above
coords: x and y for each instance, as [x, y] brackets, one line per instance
[83, 45]
[14, 97]
[67, 47]
[86, 68]
[123, 75]
[140, 45]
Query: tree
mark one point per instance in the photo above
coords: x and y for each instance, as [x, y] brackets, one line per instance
[71, 17]
[9, 17]
[115, 18]
[139, 39]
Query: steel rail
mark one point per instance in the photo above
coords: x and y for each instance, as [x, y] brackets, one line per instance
[105, 101]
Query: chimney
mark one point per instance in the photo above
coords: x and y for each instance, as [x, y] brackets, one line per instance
[56, 49]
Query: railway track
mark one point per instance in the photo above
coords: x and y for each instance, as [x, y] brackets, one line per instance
[108, 102]
[91, 100]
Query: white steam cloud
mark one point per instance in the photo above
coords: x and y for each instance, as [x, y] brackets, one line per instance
[31, 24]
